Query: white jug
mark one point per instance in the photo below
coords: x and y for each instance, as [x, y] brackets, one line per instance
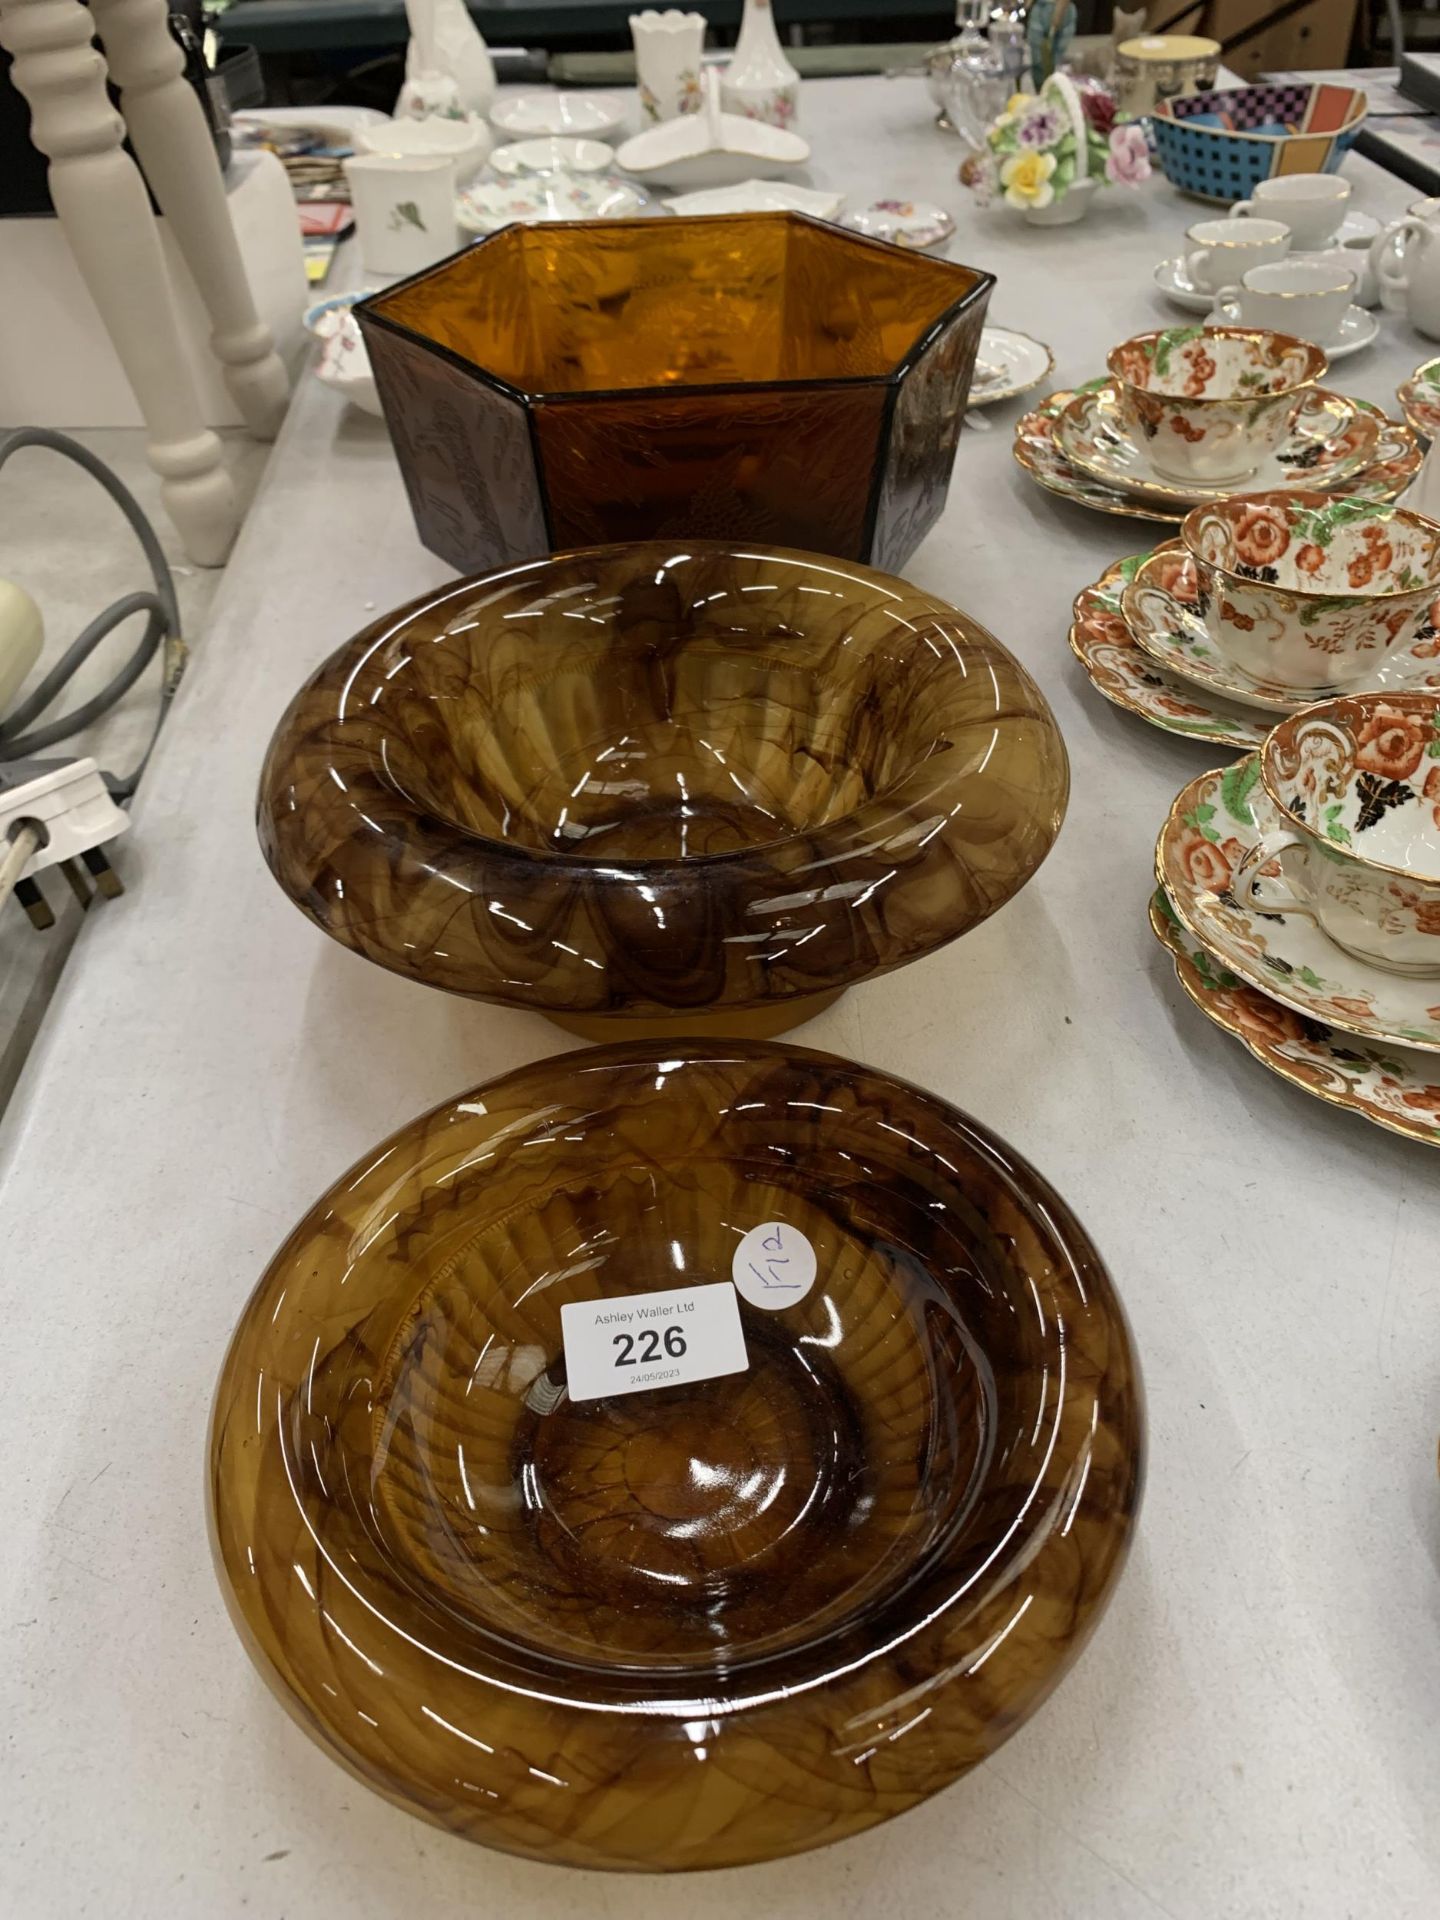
[1407, 265]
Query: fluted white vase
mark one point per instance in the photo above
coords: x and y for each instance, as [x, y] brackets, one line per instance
[668, 47]
[759, 81]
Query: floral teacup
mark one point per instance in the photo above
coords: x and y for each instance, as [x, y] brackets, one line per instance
[1210, 403]
[1300, 589]
[1358, 779]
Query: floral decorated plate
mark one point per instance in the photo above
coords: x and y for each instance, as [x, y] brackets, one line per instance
[917, 224]
[1212, 825]
[1391, 1086]
[1395, 464]
[1008, 364]
[1419, 398]
[1329, 440]
[1185, 648]
[546, 196]
[1102, 643]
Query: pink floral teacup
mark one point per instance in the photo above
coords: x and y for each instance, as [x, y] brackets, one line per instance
[1301, 590]
[1208, 404]
[1358, 782]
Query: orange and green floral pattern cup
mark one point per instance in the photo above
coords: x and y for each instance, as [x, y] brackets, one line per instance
[1302, 590]
[1358, 783]
[1208, 404]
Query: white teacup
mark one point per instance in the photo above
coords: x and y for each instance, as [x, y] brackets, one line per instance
[1222, 251]
[1311, 205]
[1291, 296]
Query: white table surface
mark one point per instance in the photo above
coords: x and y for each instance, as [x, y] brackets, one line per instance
[1253, 1730]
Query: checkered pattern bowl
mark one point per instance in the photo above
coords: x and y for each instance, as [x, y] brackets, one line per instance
[1220, 145]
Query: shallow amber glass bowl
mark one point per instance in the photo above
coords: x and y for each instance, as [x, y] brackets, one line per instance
[660, 782]
[748, 376]
[691, 1625]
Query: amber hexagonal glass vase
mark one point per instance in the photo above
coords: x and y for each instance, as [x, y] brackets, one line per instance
[757, 377]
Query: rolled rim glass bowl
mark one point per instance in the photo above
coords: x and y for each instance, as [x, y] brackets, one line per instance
[675, 783]
[704, 1624]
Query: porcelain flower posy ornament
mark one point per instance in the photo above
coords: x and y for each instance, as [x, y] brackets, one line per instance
[1049, 151]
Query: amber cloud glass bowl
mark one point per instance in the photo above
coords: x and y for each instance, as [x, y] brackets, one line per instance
[659, 782]
[751, 377]
[690, 1625]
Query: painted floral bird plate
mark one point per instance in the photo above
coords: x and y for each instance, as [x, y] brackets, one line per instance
[1391, 1087]
[1395, 462]
[1182, 645]
[1330, 439]
[1419, 398]
[1102, 642]
[1212, 825]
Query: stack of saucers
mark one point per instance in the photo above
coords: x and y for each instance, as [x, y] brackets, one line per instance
[1299, 893]
[1266, 603]
[1194, 414]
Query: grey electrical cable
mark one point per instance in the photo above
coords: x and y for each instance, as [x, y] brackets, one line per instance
[23, 843]
[162, 624]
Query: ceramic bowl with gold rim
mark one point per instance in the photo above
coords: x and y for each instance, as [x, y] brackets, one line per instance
[679, 783]
[1301, 591]
[1331, 439]
[1357, 783]
[1419, 398]
[1034, 447]
[1207, 847]
[1209, 403]
[674, 1456]
[1387, 1085]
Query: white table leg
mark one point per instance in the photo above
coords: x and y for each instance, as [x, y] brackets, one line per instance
[168, 128]
[103, 208]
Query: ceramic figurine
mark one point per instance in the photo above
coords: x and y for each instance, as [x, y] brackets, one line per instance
[448, 71]
[760, 82]
[668, 47]
[1049, 153]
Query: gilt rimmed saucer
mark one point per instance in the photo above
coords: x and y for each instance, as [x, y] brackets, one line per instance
[1392, 1087]
[1419, 398]
[1184, 647]
[1330, 440]
[1007, 365]
[1213, 824]
[1103, 644]
[1396, 462]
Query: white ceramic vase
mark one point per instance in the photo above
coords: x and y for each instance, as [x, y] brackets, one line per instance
[668, 46]
[445, 46]
[760, 82]
[404, 210]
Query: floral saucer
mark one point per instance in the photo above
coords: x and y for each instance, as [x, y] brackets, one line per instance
[1329, 440]
[1008, 364]
[1419, 398]
[546, 196]
[917, 224]
[1395, 464]
[1187, 650]
[1102, 643]
[1214, 822]
[1392, 1087]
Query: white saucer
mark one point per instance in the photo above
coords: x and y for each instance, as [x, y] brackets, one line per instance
[759, 196]
[1015, 362]
[574, 115]
[551, 153]
[1357, 330]
[1175, 283]
[1355, 226]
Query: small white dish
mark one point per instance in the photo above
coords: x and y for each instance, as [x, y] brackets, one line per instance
[591, 115]
[466, 142]
[1007, 364]
[343, 364]
[554, 153]
[759, 196]
[1357, 330]
[1175, 283]
[917, 224]
[546, 196]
